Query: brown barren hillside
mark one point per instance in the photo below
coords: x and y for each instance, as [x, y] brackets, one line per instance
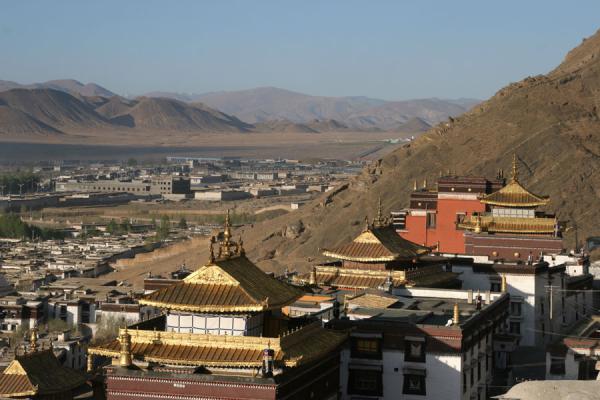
[551, 122]
[18, 122]
[55, 108]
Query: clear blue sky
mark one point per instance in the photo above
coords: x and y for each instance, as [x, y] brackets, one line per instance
[385, 49]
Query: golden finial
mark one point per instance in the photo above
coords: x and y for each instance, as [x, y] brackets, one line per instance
[227, 231]
[477, 224]
[125, 359]
[441, 173]
[415, 186]
[515, 170]
[366, 224]
[503, 286]
[33, 339]
[225, 245]
[456, 317]
[425, 183]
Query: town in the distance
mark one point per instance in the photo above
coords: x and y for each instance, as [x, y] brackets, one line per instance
[465, 292]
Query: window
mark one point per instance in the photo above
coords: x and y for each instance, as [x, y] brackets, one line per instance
[366, 348]
[478, 370]
[460, 217]
[515, 308]
[365, 382]
[495, 286]
[414, 384]
[515, 327]
[557, 366]
[414, 350]
[464, 382]
[430, 220]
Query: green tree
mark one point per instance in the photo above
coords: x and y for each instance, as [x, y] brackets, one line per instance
[126, 226]
[165, 226]
[182, 223]
[112, 227]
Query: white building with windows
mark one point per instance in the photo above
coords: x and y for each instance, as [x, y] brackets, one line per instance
[545, 299]
[421, 347]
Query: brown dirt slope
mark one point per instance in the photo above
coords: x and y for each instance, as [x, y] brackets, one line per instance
[54, 108]
[551, 122]
[169, 114]
[18, 122]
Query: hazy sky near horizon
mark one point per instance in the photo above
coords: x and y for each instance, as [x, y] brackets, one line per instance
[383, 49]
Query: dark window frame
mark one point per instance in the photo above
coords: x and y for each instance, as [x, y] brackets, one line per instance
[406, 387]
[408, 356]
[355, 352]
[356, 376]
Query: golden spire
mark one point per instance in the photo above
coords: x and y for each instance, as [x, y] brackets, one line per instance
[456, 317]
[125, 359]
[415, 186]
[503, 287]
[477, 224]
[226, 244]
[515, 170]
[425, 183]
[33, 339]
[227, 231]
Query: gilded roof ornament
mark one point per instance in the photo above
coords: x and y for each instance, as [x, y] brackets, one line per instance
[515, 169]
[514, 194]
[33, 339]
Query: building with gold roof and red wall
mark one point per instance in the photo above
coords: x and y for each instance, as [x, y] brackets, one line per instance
[222, 335]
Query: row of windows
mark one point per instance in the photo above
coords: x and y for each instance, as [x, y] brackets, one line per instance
[370, 348]
[370, 383]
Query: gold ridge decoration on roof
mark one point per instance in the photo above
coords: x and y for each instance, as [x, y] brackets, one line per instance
[514, 194]
[377, 244]
[489, 223]
[228, 283]
[295, 348]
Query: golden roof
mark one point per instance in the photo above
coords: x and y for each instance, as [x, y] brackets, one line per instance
[514, 194]
[231, 284]
[295, 348]
[228, 283]
[491, 224]
[38, 373]
[377, 244]
[355, 278]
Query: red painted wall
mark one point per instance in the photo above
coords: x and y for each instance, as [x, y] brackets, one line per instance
[451, 240]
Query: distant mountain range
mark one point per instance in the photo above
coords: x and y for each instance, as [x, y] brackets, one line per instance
[362, 113]
[66, 106]
[64, 85]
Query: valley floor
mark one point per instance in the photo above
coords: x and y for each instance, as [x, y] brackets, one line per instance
[148, 146]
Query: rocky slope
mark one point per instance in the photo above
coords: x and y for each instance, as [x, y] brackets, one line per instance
[552, 122]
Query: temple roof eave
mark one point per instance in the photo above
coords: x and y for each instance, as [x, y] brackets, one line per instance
[346, 257]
